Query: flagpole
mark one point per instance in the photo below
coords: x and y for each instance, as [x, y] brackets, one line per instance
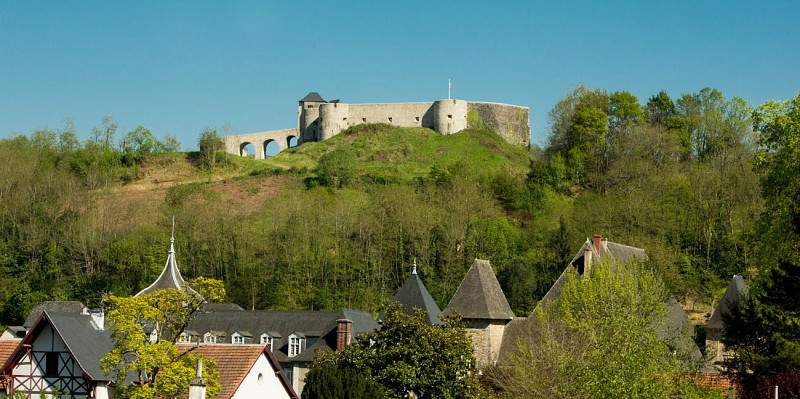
[449, 88]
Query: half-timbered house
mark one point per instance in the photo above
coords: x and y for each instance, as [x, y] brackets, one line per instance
[60, 357]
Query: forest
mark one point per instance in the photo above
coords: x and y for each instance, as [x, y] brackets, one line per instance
[339, 223]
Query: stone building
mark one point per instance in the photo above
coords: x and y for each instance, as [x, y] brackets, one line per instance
[483, 307]
[319, 120]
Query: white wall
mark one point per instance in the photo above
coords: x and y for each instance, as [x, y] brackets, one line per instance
[268, 386]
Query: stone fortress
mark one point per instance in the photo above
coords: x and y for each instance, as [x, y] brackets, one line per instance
[319, 120]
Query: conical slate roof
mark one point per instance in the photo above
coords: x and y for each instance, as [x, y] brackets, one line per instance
[170, 277]
[413, 295]
[313, 97]
[736, 289]
[479, 296]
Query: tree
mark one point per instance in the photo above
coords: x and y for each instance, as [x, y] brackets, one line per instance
[210, 145]
[326, 381]
[406, 355]
[156, 364]
[602, 337]
[337, 168]
[763, 328]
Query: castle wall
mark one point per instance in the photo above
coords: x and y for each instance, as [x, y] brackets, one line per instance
[511, 122]
[397, 114]
[235, 144]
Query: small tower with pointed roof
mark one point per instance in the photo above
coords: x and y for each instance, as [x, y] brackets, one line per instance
[170, 277]
[483, 306]
[413, 295]
[308, 121]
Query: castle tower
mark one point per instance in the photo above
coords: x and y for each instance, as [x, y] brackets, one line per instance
[413, 295]
[332, 119]
[308, 123]
[449, 116]
[483, 306]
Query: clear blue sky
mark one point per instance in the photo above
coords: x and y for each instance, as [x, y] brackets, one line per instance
[178, 67]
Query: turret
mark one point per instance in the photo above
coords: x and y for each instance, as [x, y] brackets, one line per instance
[308, 122]
[332, 119]
[449, 116]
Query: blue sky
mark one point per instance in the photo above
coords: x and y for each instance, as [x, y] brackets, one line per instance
[178, 67]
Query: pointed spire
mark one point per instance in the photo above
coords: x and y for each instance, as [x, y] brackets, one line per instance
[170, 276]
[414, 270]
[172, 239]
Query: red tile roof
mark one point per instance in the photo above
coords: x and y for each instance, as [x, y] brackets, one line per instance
[233, 363]
[7, 347]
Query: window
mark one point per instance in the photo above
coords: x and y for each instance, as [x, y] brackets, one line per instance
[237, 339]
[295, 345]
[449, 116]
[184, 338]
[210, 338]
[51, 364]
[416, 118]
[288, 371]
[310, 106]
[364, 120]
[266, 339]
[390, 119]
[153, 336]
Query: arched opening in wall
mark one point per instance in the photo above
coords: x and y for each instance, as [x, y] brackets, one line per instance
[247, 150]
[271, 148]
[291, 141]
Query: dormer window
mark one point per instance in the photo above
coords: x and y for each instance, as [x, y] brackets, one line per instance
[267, 340]
[184, 337]
[209, 338]
[237, 338]
[153, 336]
[295, 344]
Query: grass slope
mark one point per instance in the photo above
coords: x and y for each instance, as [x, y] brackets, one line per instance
[392, 154]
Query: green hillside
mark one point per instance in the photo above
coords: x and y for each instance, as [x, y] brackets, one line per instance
[386, 153]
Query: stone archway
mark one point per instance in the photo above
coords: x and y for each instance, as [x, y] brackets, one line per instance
[247, 149]
[271, 148]
[291, 141]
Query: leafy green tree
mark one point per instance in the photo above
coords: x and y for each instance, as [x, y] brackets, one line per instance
[159, 368]
[406, 355]
[337, 168]
[211, 145]
[138, 144]
[326, 381]
[660, 108]
[763, 329]
[599, 339]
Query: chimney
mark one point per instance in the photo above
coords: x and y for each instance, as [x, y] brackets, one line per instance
[197, 386]
[344, 328]
[98, 318]
[587, 260]
[596, 241]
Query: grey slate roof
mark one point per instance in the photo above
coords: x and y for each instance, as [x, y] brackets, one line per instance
[675, 318]
[170, 277]
[86, 344]
[318, 327]
[735, 291]
[609, 251]
[479, 296]
[313, 97]
[73, 307]
[413, 295]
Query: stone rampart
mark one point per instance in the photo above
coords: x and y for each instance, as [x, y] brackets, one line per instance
[319, 120]
[511, 122]
[236, 144]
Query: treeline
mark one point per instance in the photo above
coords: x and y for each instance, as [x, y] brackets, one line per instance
[674, 177]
